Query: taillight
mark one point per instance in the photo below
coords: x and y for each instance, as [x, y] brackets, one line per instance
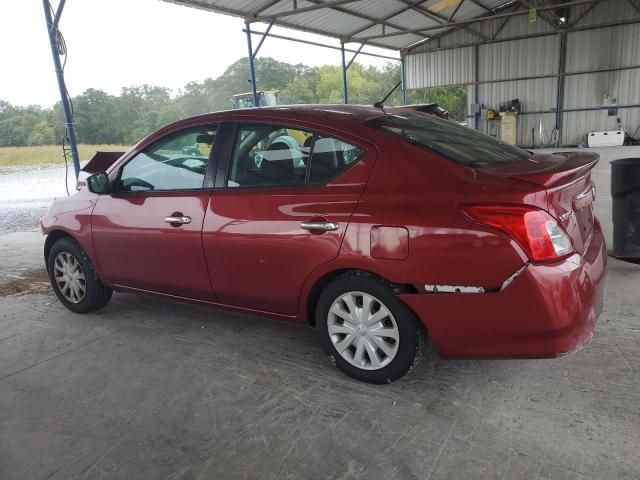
[537, 232]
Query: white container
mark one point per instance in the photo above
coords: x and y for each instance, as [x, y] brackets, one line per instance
[613, 138]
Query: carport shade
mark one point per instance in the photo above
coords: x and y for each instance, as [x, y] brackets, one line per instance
[392, 24]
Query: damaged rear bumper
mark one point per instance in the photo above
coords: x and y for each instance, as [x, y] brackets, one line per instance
[541, 311]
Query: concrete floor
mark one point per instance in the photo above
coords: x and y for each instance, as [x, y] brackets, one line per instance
[150, 389]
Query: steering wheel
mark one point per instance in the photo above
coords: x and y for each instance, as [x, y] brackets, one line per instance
[128, 183]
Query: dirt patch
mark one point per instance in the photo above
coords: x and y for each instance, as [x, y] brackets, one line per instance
[32, 282]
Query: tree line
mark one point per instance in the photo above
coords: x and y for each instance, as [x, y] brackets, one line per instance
[101, 118]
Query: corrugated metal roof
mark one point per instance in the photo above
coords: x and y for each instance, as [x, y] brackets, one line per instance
[356, 20]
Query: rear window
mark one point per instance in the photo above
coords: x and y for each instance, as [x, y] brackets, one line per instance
[459, 143]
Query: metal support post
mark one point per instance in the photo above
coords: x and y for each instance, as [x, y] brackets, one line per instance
[560, 94]
[52, 30]
[252, 56]
[252, 72]
[403, 80]
[264, 35]
[476, 88]
[345, 96]
[355, 55]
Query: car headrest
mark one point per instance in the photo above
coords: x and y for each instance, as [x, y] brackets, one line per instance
[326, 151]
[205, 138]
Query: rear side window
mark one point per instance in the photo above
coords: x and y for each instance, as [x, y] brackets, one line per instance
[268, 155]
[329, 156]
[459, 143]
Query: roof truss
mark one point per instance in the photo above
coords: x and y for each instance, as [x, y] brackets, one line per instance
[394, 32]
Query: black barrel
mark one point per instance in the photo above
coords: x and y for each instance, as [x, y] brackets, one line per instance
[625, 191]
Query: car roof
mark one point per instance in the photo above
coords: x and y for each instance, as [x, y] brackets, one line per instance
[347, 118]
[322, 114]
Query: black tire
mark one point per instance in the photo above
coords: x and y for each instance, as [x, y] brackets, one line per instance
[411, 334]
[96, 295]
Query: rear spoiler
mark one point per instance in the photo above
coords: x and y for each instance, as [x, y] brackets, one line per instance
[430, 108]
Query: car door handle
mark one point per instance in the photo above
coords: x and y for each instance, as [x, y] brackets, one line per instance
[324, 226]
[182, 220]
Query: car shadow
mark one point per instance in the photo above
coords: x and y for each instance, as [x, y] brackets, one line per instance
[293, 351]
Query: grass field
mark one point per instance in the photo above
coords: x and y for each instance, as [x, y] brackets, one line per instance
[49, 154]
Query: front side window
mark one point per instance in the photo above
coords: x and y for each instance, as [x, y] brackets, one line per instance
[176, 162]
[278, 156]
[459, 143]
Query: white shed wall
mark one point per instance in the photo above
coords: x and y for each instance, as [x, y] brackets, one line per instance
[437, 64]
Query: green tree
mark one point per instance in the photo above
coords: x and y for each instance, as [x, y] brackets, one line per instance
[95, 117]
[300, 91]
[140, 109]
[17, 123]
[452, 99]
[41, 134]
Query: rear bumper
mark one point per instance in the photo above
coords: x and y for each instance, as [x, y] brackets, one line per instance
[547, 311]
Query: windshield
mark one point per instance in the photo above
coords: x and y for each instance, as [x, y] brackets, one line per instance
[459, 143]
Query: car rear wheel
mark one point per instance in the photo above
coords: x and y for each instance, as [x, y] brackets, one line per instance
[73, 278]
[366, 330]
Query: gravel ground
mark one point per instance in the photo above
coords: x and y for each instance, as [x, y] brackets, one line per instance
[18, 218]
[26, 193]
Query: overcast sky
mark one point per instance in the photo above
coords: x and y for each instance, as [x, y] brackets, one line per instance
[117, 43]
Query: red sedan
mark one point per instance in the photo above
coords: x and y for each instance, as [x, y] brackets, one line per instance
[379, 227]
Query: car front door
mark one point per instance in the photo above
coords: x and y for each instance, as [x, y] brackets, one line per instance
[147, 233]
[279, 210]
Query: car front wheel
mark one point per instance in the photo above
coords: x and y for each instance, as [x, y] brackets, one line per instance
[73, 278]
[366, 330]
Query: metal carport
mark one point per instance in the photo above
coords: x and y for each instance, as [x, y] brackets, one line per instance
[542, 51]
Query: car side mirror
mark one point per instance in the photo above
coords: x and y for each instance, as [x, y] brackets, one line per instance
[98, 183]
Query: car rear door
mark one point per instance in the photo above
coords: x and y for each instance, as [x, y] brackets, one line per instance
[147, 234]
[279, 210]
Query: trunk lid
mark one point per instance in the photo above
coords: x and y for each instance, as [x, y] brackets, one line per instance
[566, 179]
[101, 161]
